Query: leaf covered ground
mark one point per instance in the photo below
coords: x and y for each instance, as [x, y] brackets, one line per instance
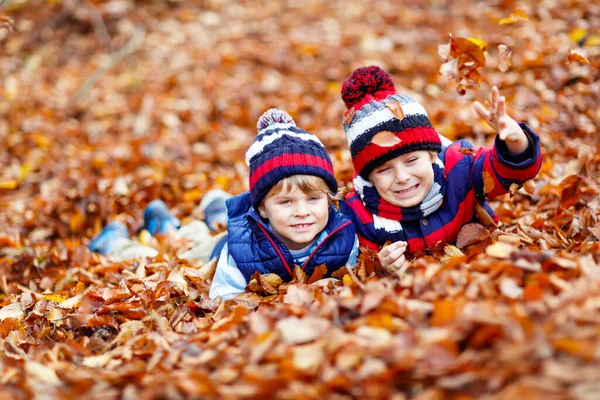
[107, 105]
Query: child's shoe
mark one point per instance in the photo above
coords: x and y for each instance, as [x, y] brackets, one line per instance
[213, 207]
[158, 220]
[110, 235]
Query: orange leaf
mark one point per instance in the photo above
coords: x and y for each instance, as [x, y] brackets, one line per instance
[575, 347]
[515, 16]
[385, 139]
[533, 292]
[319, 273]
[569, 191]
[443, 313]
[512, 190]
[488, 182]
[575, 56]
[396, 109]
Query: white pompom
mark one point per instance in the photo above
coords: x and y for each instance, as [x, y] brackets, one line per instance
[274, 116]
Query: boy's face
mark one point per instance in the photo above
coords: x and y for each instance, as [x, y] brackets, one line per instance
[404, 181]
[296, 217]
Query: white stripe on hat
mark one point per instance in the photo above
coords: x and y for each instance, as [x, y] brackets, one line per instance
[264, 140]
[389, 225]
[379, 117]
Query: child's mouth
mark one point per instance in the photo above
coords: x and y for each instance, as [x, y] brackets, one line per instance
[407, 192]
[302, 226]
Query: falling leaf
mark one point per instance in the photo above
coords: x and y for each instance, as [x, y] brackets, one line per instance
[576, 56]
[484, 217]
[504, 57]
[515, 16]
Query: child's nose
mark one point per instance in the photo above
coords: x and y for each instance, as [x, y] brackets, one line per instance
[402, 176]
[301, 209]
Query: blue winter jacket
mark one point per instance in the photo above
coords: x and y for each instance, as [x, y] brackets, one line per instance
[254, 247]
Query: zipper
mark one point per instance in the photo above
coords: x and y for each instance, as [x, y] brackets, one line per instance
[345, 224]
[285, 264]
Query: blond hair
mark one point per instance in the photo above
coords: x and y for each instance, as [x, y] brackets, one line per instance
[306, 183]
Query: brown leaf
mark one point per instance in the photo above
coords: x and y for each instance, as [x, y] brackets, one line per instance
[396, 109]
[504, 57]
[470, 234]
[569, 191]
[319, 273]
[512, 190]
[467, 151]
[484, 217]
[348, 116]
[299, 274]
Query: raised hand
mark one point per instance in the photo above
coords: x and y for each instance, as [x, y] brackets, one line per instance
[507, 128]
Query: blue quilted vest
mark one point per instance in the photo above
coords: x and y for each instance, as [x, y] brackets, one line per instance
[254, 247]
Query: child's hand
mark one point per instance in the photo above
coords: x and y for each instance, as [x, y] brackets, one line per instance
[507, 128]
[392, 257]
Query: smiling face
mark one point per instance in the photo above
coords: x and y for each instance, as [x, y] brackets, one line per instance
[296, 211]
[404, 181]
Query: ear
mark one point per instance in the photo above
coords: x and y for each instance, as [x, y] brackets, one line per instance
[262, 212]
[433, 156]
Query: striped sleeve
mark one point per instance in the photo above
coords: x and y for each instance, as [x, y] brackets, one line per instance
[495, 169]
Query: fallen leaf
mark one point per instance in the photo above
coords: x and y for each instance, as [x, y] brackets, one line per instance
[515, 16]
[470, 234]
[319, 273]
[488, 182]
[576, 56]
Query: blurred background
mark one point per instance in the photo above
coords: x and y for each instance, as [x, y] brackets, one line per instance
[107, 105]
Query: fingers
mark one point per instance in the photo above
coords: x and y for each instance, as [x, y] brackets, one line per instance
[502, 106]
[385, 252]
[480, 110]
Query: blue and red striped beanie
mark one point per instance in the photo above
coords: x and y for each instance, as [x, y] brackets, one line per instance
[281, 149]
[373, 107]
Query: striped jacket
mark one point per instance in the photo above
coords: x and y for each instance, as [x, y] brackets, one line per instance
[465, 170]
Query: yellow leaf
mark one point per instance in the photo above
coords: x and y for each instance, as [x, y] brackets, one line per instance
[453, 251]
[145, 237]
[480, 43]
[10, 184]
[347, 279]
[515, 16]
[59, 298]
[500, 250]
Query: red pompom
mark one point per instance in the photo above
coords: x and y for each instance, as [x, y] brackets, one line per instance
[364, 81]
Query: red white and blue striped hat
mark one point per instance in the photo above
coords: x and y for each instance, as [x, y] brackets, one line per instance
[374, 107]
[281, 149]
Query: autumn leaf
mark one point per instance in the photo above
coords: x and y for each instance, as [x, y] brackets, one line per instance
[570, 191]
[576, 56]
[504, 57]
[488, 182]
[319, 273]
[512, 190]
[515, 16]
[470, 234]
[300, 275]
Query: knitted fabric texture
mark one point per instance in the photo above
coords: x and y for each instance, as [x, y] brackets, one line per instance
[280, 150]
[373, 107]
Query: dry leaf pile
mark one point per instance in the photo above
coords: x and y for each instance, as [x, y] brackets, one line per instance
[107, 105]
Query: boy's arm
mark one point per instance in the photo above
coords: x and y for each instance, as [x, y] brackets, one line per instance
[228, 281]
[515, 158]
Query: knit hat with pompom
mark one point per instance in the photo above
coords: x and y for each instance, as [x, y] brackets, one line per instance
[380, 123]
[281, 149]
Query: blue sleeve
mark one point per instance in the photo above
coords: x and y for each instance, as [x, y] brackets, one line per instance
[228, 281]
[353, 257]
